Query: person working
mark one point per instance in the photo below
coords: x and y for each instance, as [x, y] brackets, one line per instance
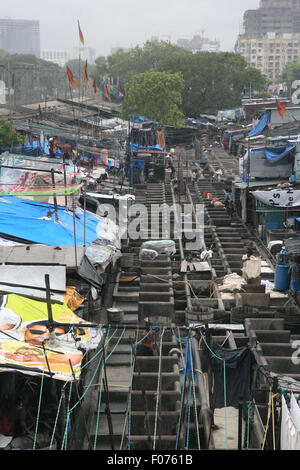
[247, 256]
[146, 347]
[67, 151]
[52, 147]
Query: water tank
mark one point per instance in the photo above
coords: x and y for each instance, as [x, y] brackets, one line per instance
[282, 277]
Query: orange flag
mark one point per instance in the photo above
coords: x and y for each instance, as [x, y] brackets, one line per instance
[106, 93]
[95, 86]
[280, 107]
[71, 78]
[80, 34]
[86, 78]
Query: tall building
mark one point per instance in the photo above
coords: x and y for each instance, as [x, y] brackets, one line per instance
[200, 43]
[20, 36]
[271, 36]
[57, 57]
[86, 53]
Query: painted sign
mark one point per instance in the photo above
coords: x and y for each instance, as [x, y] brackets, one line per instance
[279, 198]
[33, 345]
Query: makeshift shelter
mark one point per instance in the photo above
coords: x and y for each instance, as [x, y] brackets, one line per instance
[267, 162]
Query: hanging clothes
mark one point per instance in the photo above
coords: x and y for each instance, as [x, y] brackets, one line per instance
[237, 366]
[290, 425]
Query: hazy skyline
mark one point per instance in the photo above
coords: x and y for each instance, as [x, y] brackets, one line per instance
[125, 23]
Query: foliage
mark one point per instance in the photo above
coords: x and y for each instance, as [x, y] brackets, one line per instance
[290, 73]
[155, 95]
[31, 78]
[212, 81]
[8, 136]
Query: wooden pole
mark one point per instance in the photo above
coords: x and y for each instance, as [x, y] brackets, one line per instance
[48, 299]
[54, 197]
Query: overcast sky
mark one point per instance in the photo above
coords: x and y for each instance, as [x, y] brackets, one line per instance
[125, 23]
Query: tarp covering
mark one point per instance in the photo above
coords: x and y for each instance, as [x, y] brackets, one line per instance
[152, 147]
[261, 125]
[31, 221]
[27, 346]
[275, 154]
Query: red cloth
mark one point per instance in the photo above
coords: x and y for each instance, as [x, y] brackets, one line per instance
[6, 426]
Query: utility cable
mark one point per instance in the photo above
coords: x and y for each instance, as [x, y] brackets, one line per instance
[224, 379]
[194, 396]
[158, 397]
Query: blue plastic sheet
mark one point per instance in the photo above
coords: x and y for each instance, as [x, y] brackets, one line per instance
[154, 147]
[28, 220]
[261, 125]
[276, 154]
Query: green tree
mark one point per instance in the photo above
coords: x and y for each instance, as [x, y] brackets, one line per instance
[290, 73]
[8, 136]
[99, 69]
[155, 95]
[212, 81]
[30, 77]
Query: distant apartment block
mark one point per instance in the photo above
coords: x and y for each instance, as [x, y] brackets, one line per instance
[57, 57]
[271, 36]
[20, 36]
[199, 43]
[86, 53]
[271, 53]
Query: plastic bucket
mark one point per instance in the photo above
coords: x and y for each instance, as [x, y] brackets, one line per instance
[282, 277]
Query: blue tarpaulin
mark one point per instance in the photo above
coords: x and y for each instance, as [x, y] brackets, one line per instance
[153, 147]
[29, 220]
[261, 125]
[275, 154]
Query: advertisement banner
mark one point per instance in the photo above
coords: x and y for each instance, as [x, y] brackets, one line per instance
[278, 197]
[33, 344]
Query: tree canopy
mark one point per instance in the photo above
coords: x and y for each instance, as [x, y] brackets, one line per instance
[212, 81]
[155, 95]
[290, 73]
[8, 136]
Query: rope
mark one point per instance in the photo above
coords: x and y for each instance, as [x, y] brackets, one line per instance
[39, 408]
[128, 414]
[69, 411]
[224, 378]
[158, 389]
[273, 421]
[194, 397]
[180, 344]
[101, 384]
[248, 424]
[189, 416]
[130, 399]
[56, 419]
[181, 403]
[268, 419]
[65, 439]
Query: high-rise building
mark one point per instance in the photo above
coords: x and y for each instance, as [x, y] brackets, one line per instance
[56, 56]
[271, 36]
[199, 43]
[20, 36]
[85, 53]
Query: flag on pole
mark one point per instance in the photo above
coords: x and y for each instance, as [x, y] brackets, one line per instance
[80, 34]
[71, 78]
[95, 86]
[86, 78]
[106, 92]
[280, 107]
